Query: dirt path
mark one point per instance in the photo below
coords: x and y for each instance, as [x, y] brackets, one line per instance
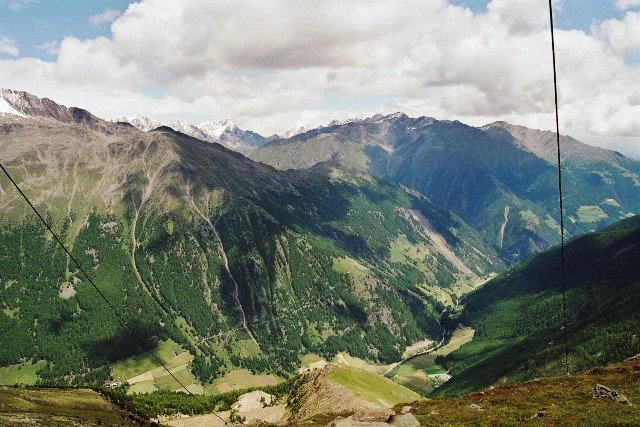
[395, 365]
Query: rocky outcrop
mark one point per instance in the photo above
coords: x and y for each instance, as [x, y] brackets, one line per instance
[602, 392]
[404, 420]
[44, 109]
[251, 401]
[377, 418]
[33, 106]
[381, 415]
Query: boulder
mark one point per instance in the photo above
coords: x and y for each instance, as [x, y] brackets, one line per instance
[404, 420]
[603, 392]
[368, 415]
[349, 422]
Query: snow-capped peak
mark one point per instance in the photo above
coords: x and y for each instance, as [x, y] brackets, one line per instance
[307, 128]
[215, 128]
[337, 122]
[5, 106]
[26, 105]
[143, 123]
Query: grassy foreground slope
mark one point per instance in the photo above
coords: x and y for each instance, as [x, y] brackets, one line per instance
[341, 389]
[559, 401]
[518, 316]
[56, 407]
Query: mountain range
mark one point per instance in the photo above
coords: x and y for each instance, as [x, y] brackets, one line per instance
[501, 179]
[357, 237]
[224, 131]
[242, 264]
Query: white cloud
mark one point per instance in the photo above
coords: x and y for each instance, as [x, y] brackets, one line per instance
[106, 17]
[272, 65]
[622, 35]
[627, 4]
[8, 46]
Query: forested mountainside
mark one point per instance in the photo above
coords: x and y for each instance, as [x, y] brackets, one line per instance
[501, 179]
[244, 265]
[519, 320]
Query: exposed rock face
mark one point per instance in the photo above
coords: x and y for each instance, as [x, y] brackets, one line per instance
[340, 390]
[602, 392]
[142, 123]
[31, 105]
[224, 132]
[255, 408]
[349, 422]
[404, 420]
[381, 415]
[373, 418]
[254, 400]
[33, 108]
[320, 396]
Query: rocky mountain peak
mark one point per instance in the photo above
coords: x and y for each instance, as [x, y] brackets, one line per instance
[223, 131]
[7, 104]
[141, 122]
[29, 105]
[543, 144]
[380, 117]
[216, 128]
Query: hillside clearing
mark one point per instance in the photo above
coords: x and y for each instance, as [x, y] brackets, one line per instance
[56, 407]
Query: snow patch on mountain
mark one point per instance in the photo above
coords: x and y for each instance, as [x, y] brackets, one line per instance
[303, 129]
[216, 128]
[223, 131]
[33, 107]
[142, 123]
[6, 108]
[187, 129]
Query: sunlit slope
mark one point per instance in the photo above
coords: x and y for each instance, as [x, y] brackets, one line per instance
[558, 401]
[341, 389]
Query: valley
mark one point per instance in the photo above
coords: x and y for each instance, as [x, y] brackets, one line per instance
[360, 266]
[225, 257]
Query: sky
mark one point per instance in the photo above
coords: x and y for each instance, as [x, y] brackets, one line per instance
[276, 65]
